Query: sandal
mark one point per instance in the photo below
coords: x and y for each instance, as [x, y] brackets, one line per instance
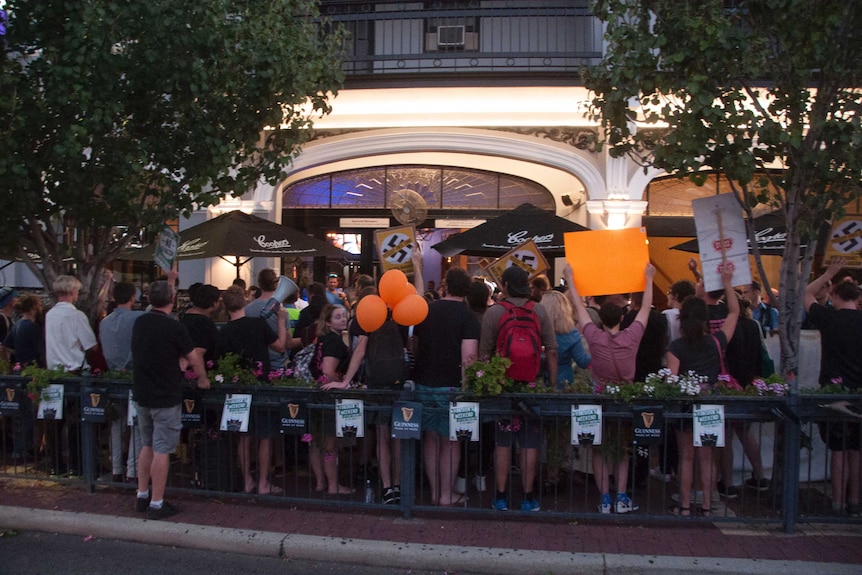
[704, 512]
[680, 511]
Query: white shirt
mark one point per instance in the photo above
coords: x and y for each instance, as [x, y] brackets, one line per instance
[68, 336]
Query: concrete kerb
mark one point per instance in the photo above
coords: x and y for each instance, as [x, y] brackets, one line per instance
[393, 554]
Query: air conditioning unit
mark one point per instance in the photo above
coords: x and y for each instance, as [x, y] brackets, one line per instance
[450, 35]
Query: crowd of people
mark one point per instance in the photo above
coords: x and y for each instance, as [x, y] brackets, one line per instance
[548, 333]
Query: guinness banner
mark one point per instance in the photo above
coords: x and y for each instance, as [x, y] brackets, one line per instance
[406, 420]
[648, 424]
[236, 412]
[51, 406]
[349, 418]
[192, 412]
[94, 404]
[464, 421]
[294, 417]
[10, 399]
[708, 425]
[586, 424]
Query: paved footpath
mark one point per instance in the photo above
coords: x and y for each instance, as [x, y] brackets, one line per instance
[437, 541]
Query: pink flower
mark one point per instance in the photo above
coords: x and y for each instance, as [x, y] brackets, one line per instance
[306, 438]
[16, 367]
[480, 373]
[259, 371]
[532, 385]
[210, 364]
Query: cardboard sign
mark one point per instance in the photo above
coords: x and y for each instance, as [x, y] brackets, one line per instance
[526, 256]
[845, 241]
[586, 425]
[722, 240]
[166, 249]
[406, 420]
[236, 412]
[51, 406]
[94, 403]
[463, 421]
[192, 412]
[708, 425]
[648, 424]
[294, 417]
[350, 418]
[395, 248]
[608, 262]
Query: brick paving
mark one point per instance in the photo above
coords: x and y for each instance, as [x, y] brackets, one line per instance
[823, 543]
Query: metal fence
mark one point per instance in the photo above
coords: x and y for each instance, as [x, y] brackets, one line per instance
[778, 438]
[392, 38]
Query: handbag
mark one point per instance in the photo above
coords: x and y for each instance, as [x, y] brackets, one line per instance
[723, 376]
[767, 364]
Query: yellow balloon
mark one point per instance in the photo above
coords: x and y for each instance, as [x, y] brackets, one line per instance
[371, 312]
[411, 310]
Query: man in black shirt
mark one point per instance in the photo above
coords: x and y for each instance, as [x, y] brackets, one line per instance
[158, 344]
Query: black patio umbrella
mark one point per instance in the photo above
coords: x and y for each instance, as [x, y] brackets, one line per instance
[498, 236]
[246, 236]
[770, 232]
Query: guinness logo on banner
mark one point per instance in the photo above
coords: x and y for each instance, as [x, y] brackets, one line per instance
[92, 407]
[407, 413]
[648, 418]
[294, 417]
[192, 414]
[10, 394]
[647, 424]
[406, 420]
[10, 405]
[189, 404]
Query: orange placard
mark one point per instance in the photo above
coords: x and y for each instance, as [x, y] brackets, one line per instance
[608, 262]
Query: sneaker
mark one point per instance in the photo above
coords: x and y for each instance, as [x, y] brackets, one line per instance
[142, 504]
[625, 504]
[500, 505]
[163, 512]
[389, 496]
[656, 473]
[460, 485]
[757, 484]
[605, 505]
[727, 491]
[532, 505]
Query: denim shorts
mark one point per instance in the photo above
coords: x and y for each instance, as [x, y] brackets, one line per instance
[160, 427]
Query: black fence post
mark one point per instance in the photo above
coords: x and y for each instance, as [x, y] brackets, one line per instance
[792, 446]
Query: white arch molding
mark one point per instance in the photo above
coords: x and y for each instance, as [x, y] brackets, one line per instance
[464, 148]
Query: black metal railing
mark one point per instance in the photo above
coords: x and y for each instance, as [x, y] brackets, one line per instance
[390, 38]
[786, 433]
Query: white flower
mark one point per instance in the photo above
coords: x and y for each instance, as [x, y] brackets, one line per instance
[219, 378]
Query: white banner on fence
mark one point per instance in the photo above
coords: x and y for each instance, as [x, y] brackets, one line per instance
[51, 406]
[708, 425]
[350, 418]
[132, 420]
[587, 424]
[236, 412]
[463, 421]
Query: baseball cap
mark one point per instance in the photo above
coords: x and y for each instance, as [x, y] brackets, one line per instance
[7, 294]
[515, 281]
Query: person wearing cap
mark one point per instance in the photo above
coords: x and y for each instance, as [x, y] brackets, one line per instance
[8, 298]
[516, 290]
[334, 294]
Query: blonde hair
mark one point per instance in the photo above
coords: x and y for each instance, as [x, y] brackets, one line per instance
[326, 317]
[560, 310]
[65, 285]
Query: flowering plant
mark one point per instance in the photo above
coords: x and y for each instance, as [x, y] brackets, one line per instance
[229, 371]
[772, 385]
[488, 377]
[662, 385]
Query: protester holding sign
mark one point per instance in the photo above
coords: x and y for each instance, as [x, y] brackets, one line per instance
[614, 354]
[699, 352]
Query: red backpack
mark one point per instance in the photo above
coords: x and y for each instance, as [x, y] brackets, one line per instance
[519, 338]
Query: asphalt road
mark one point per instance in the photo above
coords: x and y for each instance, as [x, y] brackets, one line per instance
[32, 553]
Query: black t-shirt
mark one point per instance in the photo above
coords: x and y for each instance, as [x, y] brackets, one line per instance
[701, 356]
[27, 339]
[743, 358]
[331, 345]
[158, 343]
[203, 332]
[840, 344]
[652, 346]
[249, 338]
[439, 337]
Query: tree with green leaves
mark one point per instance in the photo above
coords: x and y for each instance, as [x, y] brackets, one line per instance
[124, 115]
[767, 93]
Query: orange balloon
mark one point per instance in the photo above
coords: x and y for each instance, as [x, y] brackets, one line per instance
[371, 312]
[392, 286]
[411, 310]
